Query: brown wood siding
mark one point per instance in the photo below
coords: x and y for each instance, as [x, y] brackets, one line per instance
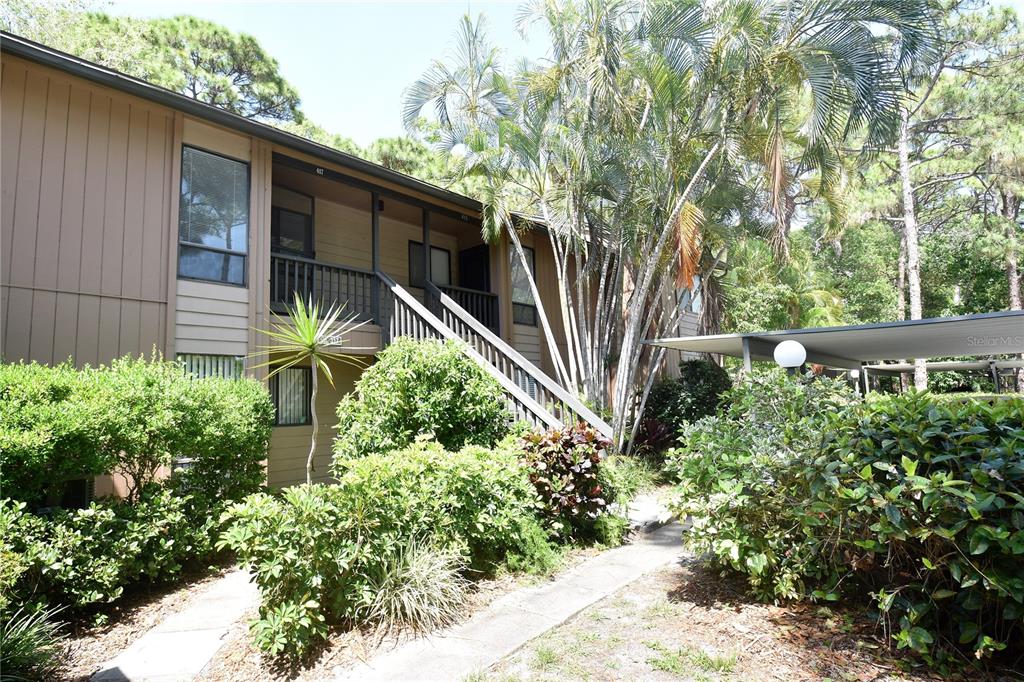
[289, 445]
[85, 218]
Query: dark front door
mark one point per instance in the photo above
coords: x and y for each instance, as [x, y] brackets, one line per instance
[475, 268]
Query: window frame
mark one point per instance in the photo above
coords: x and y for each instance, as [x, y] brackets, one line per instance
[429, 277]
[522, 307]
[244, 284]
[274, 390]
[275, 212]
[237, 360]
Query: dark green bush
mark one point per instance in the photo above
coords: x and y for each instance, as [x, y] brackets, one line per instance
[317, 550]
[133, 417]
[421, 388]
[88, 556]
[50, 430]
[918, 502]
[564, 465]
[697, 393]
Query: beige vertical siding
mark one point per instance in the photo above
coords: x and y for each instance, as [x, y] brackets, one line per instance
[289, 445]
[85, 218]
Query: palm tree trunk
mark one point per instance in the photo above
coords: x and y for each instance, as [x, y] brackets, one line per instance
[312, 440]
[556, 358]
[913, 249]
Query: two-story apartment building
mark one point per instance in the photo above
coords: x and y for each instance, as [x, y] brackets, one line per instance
[135, 218]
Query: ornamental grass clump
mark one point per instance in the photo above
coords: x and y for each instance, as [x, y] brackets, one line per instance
[917, 502]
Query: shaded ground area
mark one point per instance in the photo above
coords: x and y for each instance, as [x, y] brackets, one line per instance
[685, 622]
[137, 613]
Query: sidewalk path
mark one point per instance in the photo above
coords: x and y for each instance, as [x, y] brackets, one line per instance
[514, 619]
[181, 646]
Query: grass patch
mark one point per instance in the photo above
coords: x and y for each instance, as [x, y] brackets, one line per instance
[544, 657]
[685, 661]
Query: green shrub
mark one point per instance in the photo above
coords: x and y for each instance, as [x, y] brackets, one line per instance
[697, 393]
[33, 647]
[623, 477]
[133, 417]
[610, 529]
[85, 557]
[564, 465]
[227, 429]
[316, 551]
[919, 502]
[50, 430]
[421, 388]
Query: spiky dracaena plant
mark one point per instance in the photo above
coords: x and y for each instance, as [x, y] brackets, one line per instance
[308, 335]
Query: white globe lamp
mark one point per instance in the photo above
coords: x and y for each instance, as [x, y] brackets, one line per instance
[790, 354]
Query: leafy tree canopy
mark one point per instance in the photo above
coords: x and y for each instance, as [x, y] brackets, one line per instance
[192, 56]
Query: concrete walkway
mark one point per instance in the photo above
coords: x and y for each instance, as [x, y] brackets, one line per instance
[181, 646]
[513, 620]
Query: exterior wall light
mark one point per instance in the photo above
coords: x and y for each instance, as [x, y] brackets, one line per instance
[790, 354]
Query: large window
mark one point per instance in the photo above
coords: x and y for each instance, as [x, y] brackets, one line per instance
[440, 265]
[213, 219]
[290, 390]
[524, 310]
[291, 222]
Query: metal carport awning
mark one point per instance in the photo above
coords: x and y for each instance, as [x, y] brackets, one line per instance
[987, 334]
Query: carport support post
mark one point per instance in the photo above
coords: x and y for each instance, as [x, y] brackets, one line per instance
[746, 355]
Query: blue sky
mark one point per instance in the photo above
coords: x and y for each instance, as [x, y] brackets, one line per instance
[351, 60]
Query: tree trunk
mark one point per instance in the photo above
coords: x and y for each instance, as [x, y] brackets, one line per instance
[312, 440]
[556, 358]
[901, 296]
[1011, 212]
[910, 232]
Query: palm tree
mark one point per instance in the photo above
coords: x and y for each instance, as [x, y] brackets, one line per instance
[307, 337]
[639, 138]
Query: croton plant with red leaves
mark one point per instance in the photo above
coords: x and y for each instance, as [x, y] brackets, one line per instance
[563, 467]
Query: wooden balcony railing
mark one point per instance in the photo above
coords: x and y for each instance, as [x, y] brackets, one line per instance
[480, 304]
[325, 283]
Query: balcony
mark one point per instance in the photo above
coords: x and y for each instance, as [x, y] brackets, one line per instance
[356, 290]
[325, 283]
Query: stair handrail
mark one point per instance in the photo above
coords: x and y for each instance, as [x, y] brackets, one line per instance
[443, 330]
[521, 362]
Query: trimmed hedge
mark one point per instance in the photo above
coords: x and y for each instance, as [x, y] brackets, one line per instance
[59, 424]
[916, 501]
[421, 388]
[133, 417]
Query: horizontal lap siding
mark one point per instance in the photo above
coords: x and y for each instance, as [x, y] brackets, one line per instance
[85, 218]
[211, 318]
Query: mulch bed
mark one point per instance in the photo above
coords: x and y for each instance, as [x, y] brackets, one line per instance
[132, 616]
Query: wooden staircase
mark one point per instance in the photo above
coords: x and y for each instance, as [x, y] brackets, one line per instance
[532, 395]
